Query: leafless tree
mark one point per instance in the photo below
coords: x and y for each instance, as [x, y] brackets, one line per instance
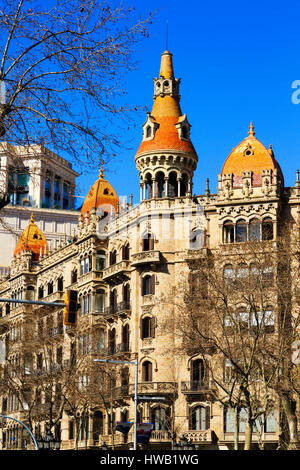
[61, 70]
[237, 310]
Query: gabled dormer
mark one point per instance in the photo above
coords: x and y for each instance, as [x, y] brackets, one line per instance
[183, 127]
[149, 128]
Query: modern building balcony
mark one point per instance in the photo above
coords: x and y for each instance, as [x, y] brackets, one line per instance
[121, 309]
[145, 257]
[117, 272]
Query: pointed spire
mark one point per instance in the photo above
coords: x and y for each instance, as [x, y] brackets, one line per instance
[166, 65]
[297, 179]
[251, 132]
[32, 218]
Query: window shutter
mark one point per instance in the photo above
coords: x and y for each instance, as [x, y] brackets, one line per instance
[152, 327]
[151, 243]
[143, 373]
[152, 290]
[150, 371]
[141, 328]
[142, 285]
[207, 417]
[190, 419]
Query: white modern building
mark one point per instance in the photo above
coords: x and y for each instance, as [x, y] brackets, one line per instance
[40, 182]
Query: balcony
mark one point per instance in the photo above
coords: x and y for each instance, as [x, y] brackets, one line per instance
[145, 257]
[199, 437]
[91, 276]
[118, 439]
[114, 349]
[122, 310]
[169, 388]
[117, 272]
[196, 387]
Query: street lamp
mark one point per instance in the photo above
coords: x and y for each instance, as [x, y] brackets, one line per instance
[183, 444]
[48, 442]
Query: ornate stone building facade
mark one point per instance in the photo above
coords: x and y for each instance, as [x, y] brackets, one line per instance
[126, 264]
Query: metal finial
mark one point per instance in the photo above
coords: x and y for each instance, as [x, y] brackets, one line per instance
[167, 35]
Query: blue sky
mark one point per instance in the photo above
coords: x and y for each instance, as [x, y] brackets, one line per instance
[237, 62]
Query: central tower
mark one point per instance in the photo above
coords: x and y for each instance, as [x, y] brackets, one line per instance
[166, 158]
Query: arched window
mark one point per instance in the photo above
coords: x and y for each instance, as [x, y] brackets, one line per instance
[126, 295]
[149, 185]
[113, 300]
[199, 418]
[160, 418]
[241, 231]
[112, 341]
[267, 229]
[148, 132]
[97, 425]
[147, 371]
[160, 178]
[197, 374]
[125, 337]
[184, 185]
[148, 285]
[41, 292]
[99, 301]
[148, 242]
[113, 257]
[50, 288]
[125, 252]
[100, 260]
[254, 230]
[172, 185]
[60, 284]
[147, 327]
[228, 232]
[74, 276]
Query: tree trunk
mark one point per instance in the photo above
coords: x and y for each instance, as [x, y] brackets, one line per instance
[248, 434]
[292, 421]
[236, 429]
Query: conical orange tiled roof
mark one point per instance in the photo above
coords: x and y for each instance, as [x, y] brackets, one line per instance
[101, 195]
[32, 239]
[166, 113]
[251, 155]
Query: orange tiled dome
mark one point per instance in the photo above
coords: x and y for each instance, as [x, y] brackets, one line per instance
[251, 155]
[166, 113]
[101, 194]
[32, 239]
